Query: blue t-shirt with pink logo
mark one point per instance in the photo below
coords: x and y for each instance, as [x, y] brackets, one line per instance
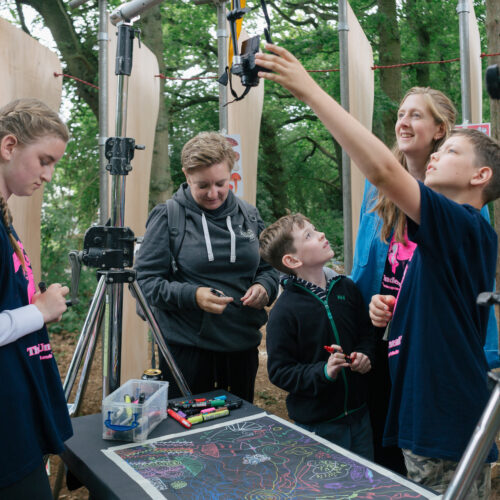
[436, 358]
[34, 417]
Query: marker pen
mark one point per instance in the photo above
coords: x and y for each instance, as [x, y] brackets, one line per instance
[330, 349]
[233, 405]
[215, 414]
[179, 419]
[208, 410]
[128, 399]
[195, 419]
[217, 402]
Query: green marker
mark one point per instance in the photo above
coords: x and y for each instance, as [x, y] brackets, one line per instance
[128, 400]
[215, 414]
[195, 419]
[217, 402]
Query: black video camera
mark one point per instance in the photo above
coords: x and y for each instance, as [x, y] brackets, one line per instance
[493, 81]
[244, 65]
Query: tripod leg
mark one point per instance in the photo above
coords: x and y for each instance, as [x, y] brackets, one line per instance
[479, 445]
[86, 343]
[84, 376]
[89, 331]
[162, 345]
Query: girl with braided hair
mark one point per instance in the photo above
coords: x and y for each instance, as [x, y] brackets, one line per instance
[34, 418]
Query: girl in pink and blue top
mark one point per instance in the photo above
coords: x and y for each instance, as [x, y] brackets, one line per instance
[34, 419]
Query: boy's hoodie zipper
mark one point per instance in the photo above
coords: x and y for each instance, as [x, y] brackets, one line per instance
[335, 331]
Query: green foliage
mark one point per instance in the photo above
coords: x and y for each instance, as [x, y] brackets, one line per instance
[299, 165]
[70, 207]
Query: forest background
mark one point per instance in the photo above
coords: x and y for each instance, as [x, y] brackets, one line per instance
[299, 165]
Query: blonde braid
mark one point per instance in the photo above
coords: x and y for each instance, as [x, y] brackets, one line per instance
[7, 222]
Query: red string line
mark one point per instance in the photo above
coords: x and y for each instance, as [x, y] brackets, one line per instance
[77, 79]
[415, 63]
[161, 75]
[309, 70]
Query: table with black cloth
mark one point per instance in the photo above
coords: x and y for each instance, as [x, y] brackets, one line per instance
[89, 467]
[105, 480]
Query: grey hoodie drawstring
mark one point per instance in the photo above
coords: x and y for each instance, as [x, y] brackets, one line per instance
[208, 243]
[233, 239]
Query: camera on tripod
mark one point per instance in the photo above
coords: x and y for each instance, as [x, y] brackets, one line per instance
[493, 81]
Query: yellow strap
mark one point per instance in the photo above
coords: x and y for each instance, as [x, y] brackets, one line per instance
[238, 31]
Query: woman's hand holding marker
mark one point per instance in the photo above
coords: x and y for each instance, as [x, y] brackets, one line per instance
[381, 308]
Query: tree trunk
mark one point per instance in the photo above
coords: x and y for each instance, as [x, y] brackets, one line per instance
[78, 54]
[160, 187]
[274, 169]
[417, 12]
[389, 53]
[493, 34]
[81, 59]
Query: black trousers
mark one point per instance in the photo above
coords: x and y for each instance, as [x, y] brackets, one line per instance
[206, 371]
[378, 405]
[34, 486]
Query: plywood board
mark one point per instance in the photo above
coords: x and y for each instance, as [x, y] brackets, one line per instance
[244, 120]
[476, 79]
[361, 95]
[28, 71]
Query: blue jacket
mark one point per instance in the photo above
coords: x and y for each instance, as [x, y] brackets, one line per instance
[369, 261]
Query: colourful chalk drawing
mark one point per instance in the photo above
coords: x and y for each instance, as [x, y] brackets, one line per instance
[256, 458]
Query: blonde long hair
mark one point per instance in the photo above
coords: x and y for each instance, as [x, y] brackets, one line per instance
[444, 113]
[28, 120]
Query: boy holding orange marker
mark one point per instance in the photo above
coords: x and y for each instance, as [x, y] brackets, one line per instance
[319, 310]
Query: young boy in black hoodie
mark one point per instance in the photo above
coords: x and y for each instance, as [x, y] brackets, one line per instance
[319, 337]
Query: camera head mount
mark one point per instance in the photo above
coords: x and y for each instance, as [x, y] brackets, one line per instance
[244, 64]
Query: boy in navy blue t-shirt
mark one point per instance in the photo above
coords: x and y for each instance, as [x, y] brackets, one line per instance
[438, 367]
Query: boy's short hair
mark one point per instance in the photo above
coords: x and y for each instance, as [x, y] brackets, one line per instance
[487, 152]
[277, 240]
[207, 149]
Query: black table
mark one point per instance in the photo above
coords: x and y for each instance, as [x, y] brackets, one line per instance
[100, 475]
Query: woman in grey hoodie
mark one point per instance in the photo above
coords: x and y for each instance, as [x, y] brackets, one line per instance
[209, 297]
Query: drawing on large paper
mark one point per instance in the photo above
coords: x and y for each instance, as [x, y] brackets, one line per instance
[255, 458]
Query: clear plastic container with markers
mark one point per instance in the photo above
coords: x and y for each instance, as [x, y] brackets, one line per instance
[133, 410]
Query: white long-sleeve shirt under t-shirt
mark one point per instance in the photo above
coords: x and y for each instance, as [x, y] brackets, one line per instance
[19, 322]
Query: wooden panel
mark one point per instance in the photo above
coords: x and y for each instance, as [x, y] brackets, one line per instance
[361, 94]
[244, 119]
[476, 79]
[28, 71]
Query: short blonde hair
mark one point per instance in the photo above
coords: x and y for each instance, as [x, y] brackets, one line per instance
[207, 149]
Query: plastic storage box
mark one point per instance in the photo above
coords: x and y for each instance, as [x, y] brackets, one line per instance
[126, 420]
